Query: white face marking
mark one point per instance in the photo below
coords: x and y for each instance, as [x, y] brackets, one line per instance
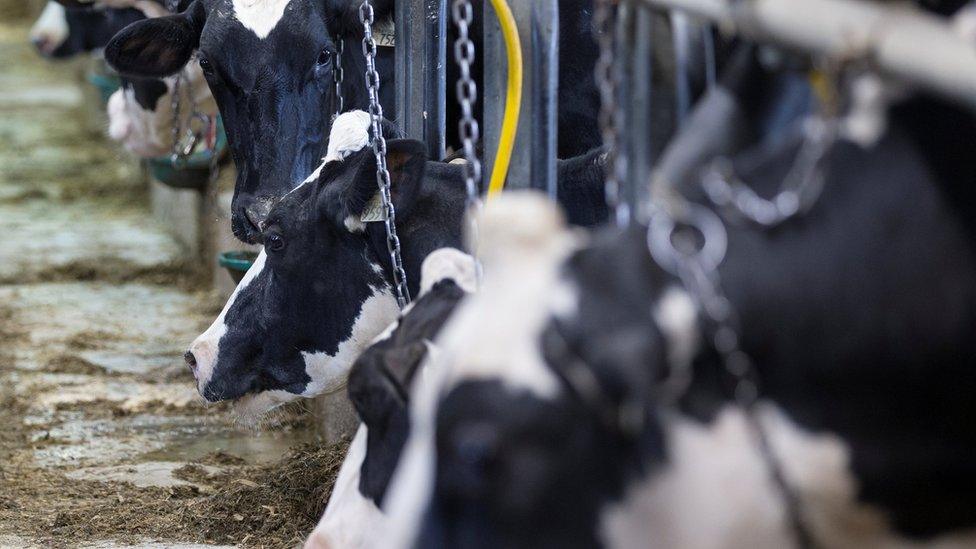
[51, 28]
[677, 316]
[494, 334]
[680, 507]
[260, 16]
[449, 263]
[206, 347]
[349, 517]
[349, 134]
[328, 372]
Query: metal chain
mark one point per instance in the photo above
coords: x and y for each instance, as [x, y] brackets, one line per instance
[467, 96]
[800, 188]
[669, 242]
[338, 75]
[379, 150]
[610, 116]
[177, 121]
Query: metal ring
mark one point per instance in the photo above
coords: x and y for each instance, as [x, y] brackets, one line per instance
[662, 227]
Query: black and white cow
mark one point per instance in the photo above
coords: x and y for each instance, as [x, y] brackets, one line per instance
[62, 33]
[321, 291]
[140, 112]
[270, 67]
[548, 426]
[380, 383]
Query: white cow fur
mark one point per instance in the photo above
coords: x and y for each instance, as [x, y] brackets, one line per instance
[260, 16]
[148, 134]
[349, 517]
[51, 28]
[716, 493]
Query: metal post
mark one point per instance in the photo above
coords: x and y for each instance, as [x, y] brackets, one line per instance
[634, 51]
[421, 92]
[534, 159]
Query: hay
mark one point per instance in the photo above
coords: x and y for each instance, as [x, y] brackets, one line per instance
[273, 505]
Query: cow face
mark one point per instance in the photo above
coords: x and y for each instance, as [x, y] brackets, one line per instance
[60, 33]
[526, 467]
[318, 293]
[270, 67]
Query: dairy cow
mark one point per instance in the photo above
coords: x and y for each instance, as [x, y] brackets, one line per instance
[858, 315]
[270, 67]
[321, 291]
[141, 116]
[380, 384]
[62, 33]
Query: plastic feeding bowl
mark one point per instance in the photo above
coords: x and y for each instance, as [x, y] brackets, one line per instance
[237, 263]
[193, 171]
[105, 82]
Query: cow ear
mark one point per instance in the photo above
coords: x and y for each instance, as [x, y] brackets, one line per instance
[157, 47]
[76, 4]
[349, 193]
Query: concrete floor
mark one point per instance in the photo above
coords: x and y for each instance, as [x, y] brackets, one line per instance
[96, 306]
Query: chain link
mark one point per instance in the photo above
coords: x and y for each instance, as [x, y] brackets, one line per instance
[800, 188]
[379, 150]
[467, 96]
[338, 75]
[610, 116]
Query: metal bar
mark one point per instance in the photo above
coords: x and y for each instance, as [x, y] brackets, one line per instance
[899, 41]
[545, 75]
[534, 158]
[421, 93]
[634, 52]
[493, 90]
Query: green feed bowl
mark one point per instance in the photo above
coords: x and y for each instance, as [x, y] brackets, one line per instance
[106, 84]
[192, 172]
[237, 263]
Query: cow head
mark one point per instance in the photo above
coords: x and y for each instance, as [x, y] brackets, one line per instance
[269, 65]
[140, 113]
[513, 436]
[62, 33]
[320, 291]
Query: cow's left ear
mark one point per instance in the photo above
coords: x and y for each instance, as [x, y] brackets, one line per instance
[350, 196]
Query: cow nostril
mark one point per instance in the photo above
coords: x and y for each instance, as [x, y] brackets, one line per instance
[191, 360]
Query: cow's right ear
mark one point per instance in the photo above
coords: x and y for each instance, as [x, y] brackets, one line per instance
[158, 47]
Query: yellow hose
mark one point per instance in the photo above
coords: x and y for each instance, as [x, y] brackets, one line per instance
[513, 97]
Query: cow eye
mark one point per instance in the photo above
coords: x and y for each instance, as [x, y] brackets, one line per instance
[205, 65]
[325, 57]
[274, 242]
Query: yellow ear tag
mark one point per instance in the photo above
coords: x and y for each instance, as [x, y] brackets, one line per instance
[374, 210]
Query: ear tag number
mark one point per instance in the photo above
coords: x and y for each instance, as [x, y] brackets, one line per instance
[384, 33]
[374, 210]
